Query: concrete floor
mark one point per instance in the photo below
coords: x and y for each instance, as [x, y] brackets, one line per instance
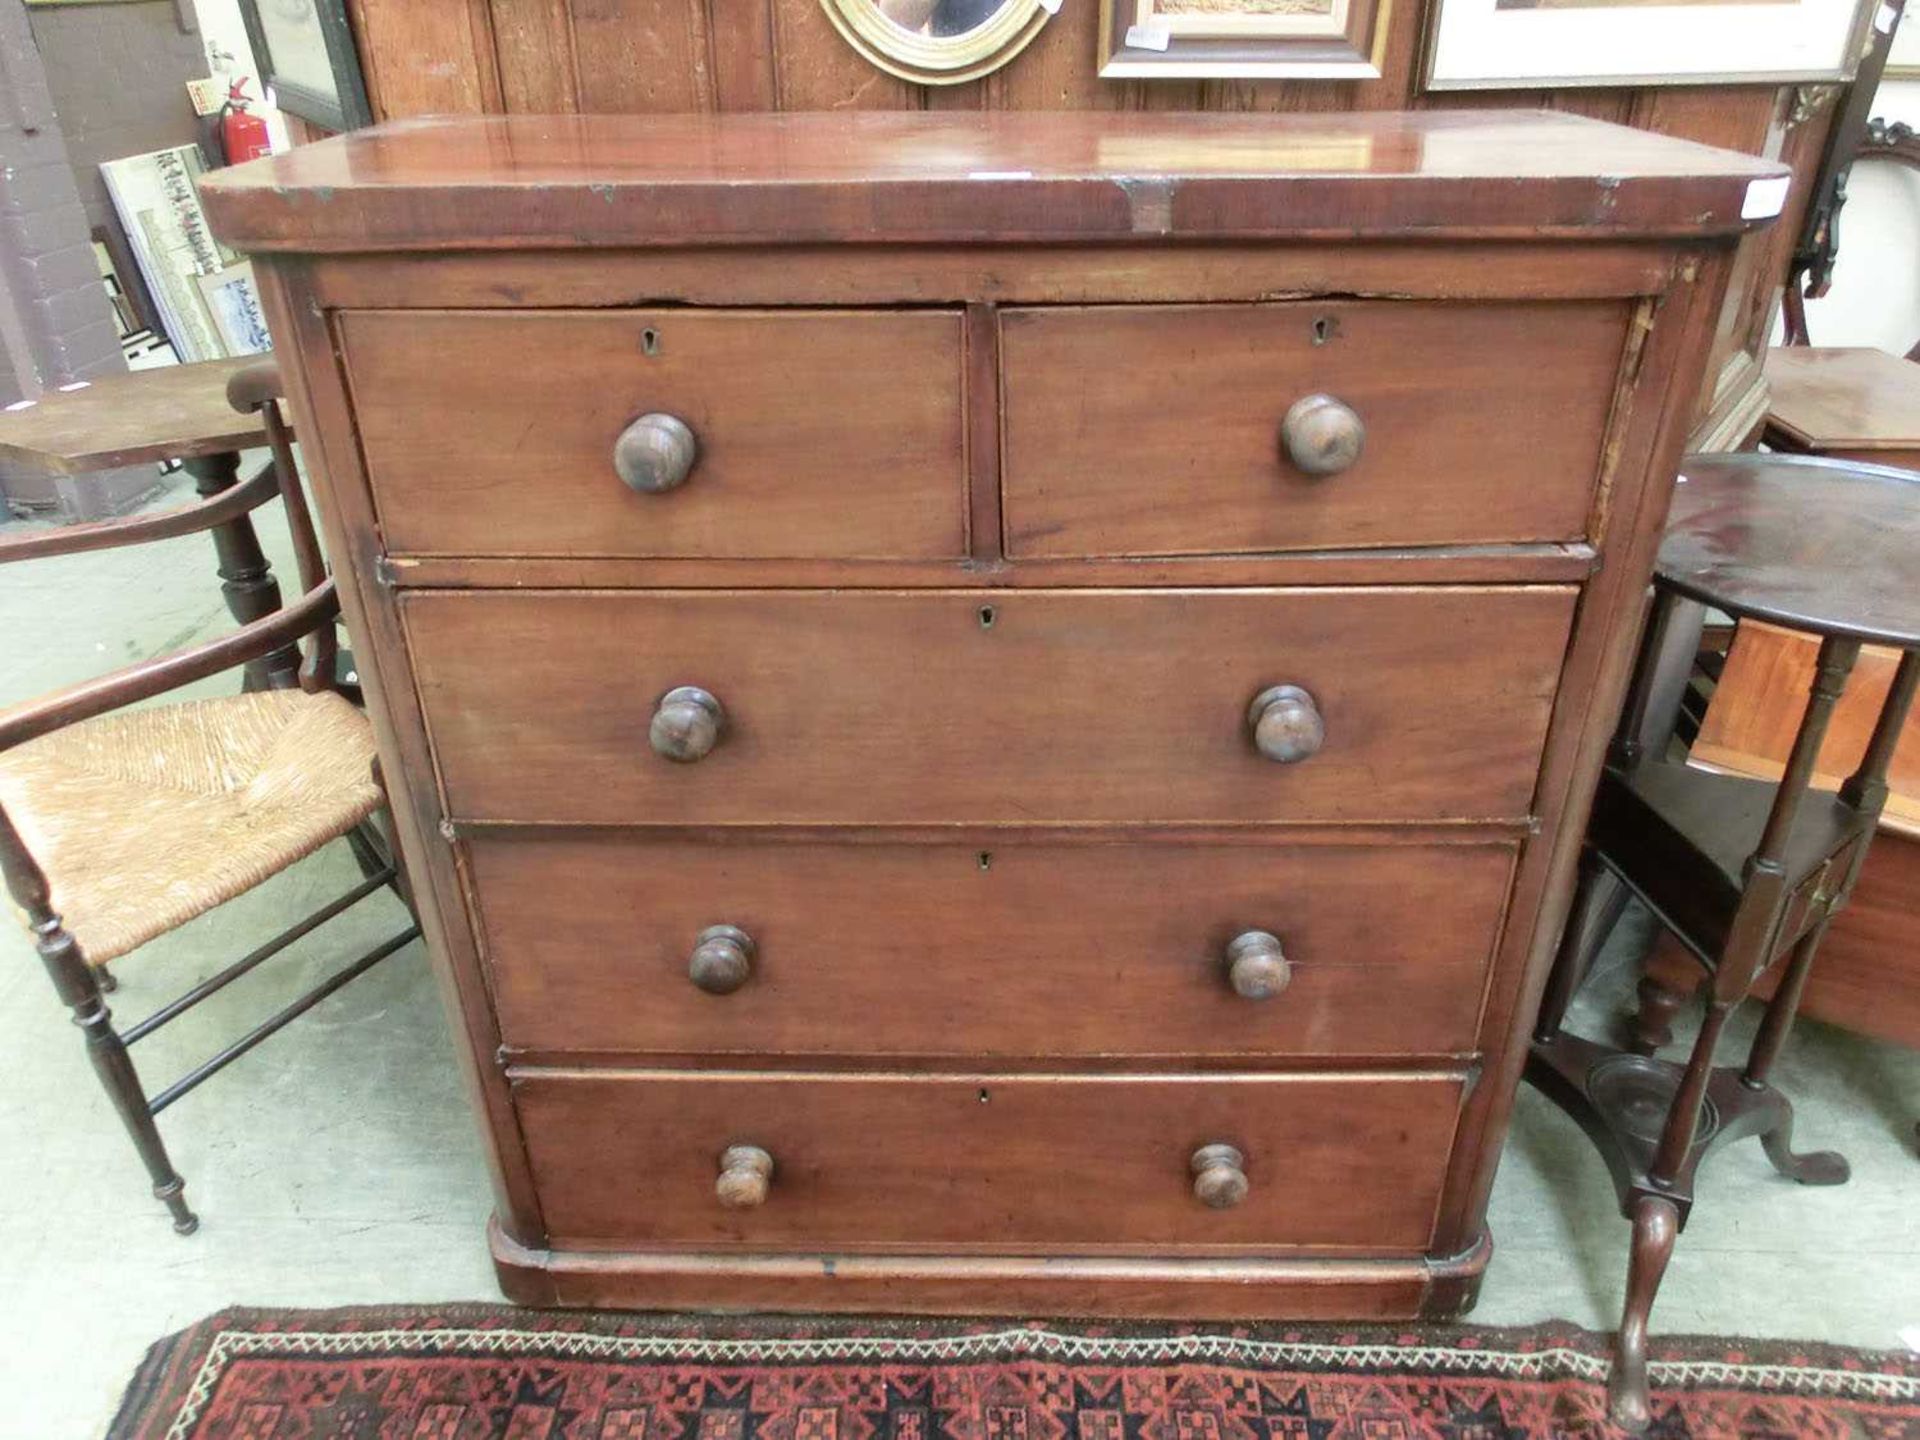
[338, 1163]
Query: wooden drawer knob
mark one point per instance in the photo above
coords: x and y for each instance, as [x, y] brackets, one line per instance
[686, 724]
[745, 1173]
[655, 453]
[1286, 724]
[1219, 1176]
[1321, 435]
[1257, 967]
[722, 959]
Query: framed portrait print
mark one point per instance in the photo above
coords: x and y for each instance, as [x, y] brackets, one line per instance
[1540, 44]
[1251, 39]
[306, 56]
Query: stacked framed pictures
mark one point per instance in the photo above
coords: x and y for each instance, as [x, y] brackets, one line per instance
[203, 291]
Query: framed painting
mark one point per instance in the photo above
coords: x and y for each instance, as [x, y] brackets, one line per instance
[1544, 44]
[1903, 59]
[939, 42]
[1249, 39]
[307, 59]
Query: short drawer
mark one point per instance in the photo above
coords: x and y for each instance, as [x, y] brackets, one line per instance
[814, 433]
[903, 1161]
[1157, 430]
[612, 943]
[955, 707]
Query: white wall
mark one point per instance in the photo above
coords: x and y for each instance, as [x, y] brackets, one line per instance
[1875, 299]
[224, 37]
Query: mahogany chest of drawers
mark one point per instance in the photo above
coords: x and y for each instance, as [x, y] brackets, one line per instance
[993, 712]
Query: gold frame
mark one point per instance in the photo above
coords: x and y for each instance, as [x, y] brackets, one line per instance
[937, 60]
[1351, 47]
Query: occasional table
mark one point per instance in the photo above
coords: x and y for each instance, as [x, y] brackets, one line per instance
[171, 412]
[1862, 405]
[1744, 873]
[1850, 404]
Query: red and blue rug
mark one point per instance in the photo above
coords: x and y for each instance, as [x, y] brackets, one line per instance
[462, 1372]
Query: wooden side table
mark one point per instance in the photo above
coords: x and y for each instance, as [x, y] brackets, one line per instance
[173, 412]
[1847, 404]
[1743, 873]
[1864, 405]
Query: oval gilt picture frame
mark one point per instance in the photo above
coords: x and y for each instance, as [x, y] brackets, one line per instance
[929, 59]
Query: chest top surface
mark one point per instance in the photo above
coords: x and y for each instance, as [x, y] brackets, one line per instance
[631, 180]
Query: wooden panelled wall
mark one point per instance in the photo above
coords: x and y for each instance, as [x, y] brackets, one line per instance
[546, 56]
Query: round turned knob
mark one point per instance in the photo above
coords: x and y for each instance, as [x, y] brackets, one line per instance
[686, 724]
[745, 1173]
[1219, 1176]
[722, 959]
[1321, 435]
[655, 453]
[1257, 968]
[1286, 724]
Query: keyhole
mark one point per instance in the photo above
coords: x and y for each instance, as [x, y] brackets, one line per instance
[1324, 329]
[985, 860]
[984, 1097]
[986, 617]
[649, 341]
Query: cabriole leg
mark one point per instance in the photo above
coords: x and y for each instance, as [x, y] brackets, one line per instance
[1656, 1222]
[1820, 1167]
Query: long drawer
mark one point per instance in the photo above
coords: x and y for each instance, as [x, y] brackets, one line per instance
[624, 1159]
[996, 707]
[869, 948]
[817, 434]
[1168, 430]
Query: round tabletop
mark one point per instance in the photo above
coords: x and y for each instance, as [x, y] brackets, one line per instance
[1829, 546]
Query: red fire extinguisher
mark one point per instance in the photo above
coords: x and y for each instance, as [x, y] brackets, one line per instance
[243, 135]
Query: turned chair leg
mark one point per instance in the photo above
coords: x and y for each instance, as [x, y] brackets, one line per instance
[1669, 979]
[369, 851]
[1656, 1223]
[1650, 1027]
[80, 988]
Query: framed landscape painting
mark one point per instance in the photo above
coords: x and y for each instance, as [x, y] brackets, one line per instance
[1539, 44]
[1254, 39]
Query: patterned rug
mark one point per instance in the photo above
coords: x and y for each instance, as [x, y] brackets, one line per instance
[487, 1371]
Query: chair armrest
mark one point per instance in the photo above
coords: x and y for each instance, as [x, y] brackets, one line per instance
[140, 529]
[154, 677]
[255, 385]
